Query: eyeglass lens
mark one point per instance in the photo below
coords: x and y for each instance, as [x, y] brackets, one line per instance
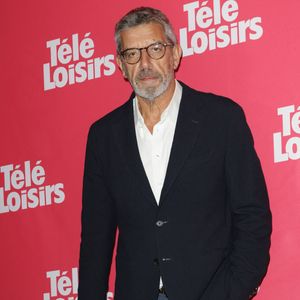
[155, 51]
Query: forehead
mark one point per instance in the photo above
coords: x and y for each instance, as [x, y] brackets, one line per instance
[142, 35]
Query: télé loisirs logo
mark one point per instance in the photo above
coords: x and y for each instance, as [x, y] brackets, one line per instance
[215, 24]
[72, 61]
[287, 141]
[64, 285]
[22, 186]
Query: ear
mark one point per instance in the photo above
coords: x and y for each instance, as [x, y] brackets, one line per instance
[121, 66]
[177, 53]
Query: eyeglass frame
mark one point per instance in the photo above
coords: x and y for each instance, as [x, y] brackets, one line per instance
[146, 48]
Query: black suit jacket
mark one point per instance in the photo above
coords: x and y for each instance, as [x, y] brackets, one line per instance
[209, 237]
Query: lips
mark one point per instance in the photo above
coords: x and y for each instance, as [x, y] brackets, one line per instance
[148, 78]
[147, 75]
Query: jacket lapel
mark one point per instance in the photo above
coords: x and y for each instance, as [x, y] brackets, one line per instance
[188, 127]
[126, 139]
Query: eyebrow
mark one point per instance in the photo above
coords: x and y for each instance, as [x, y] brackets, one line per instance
[158, 41]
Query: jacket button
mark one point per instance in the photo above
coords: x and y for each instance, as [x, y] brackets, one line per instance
[166, 259]
[155, 261]
[160, 223]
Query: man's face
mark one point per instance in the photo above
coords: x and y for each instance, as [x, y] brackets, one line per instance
[149, 77]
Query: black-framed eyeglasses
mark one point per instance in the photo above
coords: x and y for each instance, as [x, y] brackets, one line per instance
[156, 51]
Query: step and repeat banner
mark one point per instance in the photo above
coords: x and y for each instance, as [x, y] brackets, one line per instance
[59, 74]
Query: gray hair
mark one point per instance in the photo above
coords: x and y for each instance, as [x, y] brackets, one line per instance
[143, 15]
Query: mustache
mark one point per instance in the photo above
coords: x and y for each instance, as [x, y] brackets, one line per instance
[144, 73]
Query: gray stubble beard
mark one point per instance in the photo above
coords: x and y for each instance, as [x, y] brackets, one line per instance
[151, 93]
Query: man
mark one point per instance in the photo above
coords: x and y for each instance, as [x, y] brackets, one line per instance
[175, 171]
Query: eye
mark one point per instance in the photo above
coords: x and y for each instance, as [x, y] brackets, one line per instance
[131, 53]
[156, 48]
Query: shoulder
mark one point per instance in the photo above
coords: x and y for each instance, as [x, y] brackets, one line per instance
[108, 121]
[212, 103]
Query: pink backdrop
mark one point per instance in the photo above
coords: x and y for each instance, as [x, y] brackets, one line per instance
[58, 75]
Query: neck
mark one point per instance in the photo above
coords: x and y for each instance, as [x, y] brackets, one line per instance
[151, 110]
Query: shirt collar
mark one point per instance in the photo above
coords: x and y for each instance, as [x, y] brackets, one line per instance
[170, 112]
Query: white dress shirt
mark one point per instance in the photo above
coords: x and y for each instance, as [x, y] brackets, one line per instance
[155, 148]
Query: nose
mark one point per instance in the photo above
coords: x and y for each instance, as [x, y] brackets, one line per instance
[145, 59]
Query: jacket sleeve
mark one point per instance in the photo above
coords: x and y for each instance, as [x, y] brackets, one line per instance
[98, 227]
[251, 216]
